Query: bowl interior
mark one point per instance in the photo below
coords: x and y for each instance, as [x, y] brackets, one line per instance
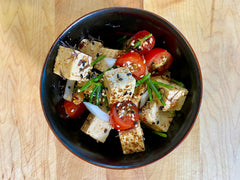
[109, 25]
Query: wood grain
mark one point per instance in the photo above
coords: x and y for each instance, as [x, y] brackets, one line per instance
[29, 150]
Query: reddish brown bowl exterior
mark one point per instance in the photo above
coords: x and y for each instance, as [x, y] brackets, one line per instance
[110, 24]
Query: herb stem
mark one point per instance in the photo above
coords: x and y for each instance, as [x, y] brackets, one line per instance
[143, 79]
[138, 42]
[98, 59]
[149, 90]
[156, 92]
[177, 82]
[162, 84]
[160, 134]
[92, 93]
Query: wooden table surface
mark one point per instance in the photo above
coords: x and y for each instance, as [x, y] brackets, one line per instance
[28, 148]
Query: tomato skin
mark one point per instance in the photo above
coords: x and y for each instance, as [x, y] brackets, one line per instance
[134, 62]
[73, 110]
[145, 46]
[158, 61]
[124, 115]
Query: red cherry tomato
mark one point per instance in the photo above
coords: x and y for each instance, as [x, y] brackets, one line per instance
[124, 115]
[158, 61]
[145, 45]
[134, 62]
[73, 110]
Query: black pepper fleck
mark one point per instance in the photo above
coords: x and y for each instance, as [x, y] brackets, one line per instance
[117, 75]
[135, 123]
[97, 54]
[130, 93]
[88, 76]
[161, 107]
[93, 43]
[81, 75]
[81, 69]
[141, 94]
[157, 122]
[120, 79]
[148, 40]
[105, 130]
[69, 87]
[125, 93]
[132, 111]
[153, 122]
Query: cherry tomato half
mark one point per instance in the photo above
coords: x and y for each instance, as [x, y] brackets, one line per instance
[158, 61]
[134, 62]
[145, 45]
[73, 110]
[124, 115]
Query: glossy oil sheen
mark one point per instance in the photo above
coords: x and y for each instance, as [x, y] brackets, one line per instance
[110, 25]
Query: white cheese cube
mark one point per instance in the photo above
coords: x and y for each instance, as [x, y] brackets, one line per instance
[97, 128]
[154, 118]
[72, 64]
[173, 97]
[119, 84]
[132, 140]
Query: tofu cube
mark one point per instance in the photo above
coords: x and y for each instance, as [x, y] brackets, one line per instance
[132, 140]
[96, 49]
[174, 98]
[154, 118]
[138, 92]
[119, 84]
[97, 128]
[72, 64]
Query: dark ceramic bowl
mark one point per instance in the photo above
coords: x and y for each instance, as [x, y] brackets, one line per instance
[109, 25]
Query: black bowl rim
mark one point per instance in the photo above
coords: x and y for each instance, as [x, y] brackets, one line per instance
[170, 25]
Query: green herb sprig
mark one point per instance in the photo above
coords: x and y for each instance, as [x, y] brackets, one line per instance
[160, 134]
[98, 59]
[139, 41]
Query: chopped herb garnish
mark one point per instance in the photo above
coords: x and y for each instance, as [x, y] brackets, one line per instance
[160, 134]
[92, 93]
[98, 59]
[162, 84]
[155, 90]
[138, 42]
[177, 82]
[143, 79]
[149, 91]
